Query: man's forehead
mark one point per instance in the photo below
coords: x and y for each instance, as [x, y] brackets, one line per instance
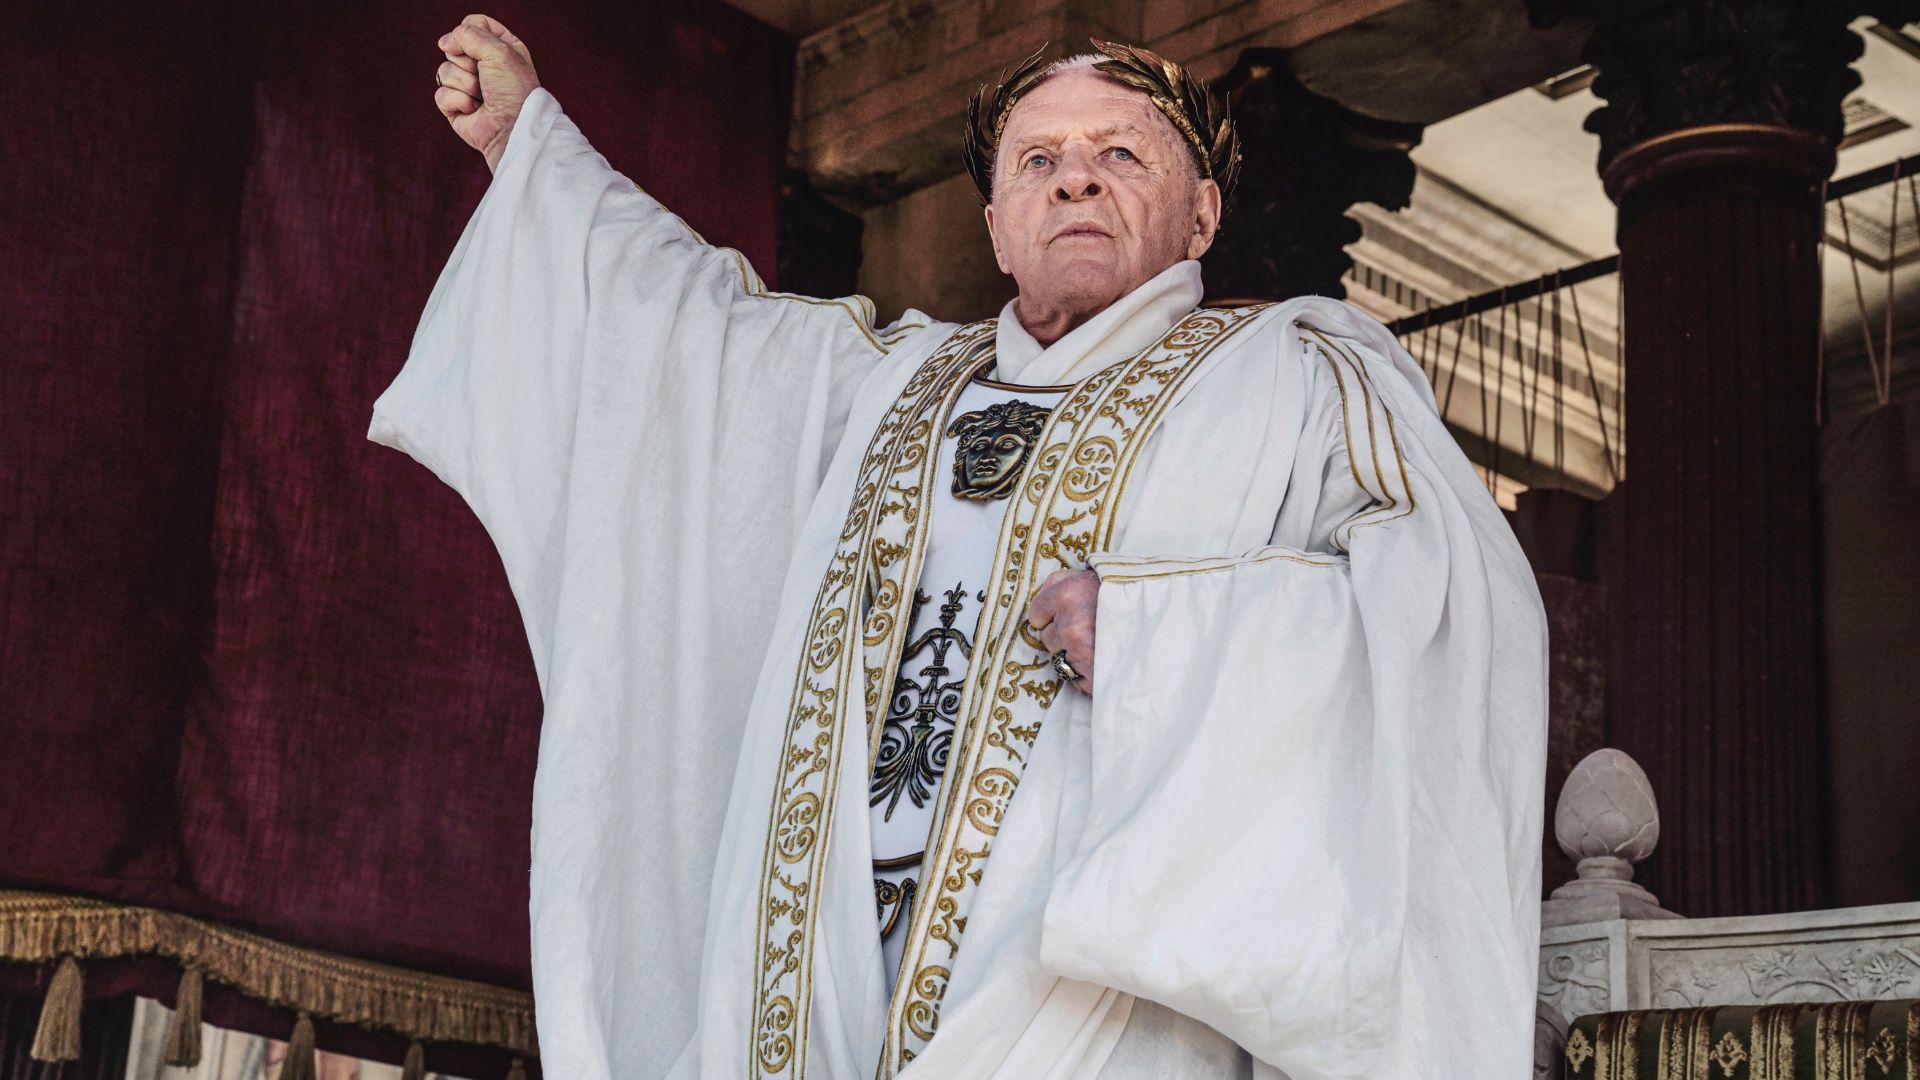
[1081, 101]
[1052, 129]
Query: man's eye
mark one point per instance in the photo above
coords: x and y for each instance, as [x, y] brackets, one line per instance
[1037, 161]
[1123, 154]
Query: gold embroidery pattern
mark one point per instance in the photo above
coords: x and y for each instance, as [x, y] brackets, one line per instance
[1913, 1042]
[1839, 1040]
[1062, 513]
[1579, 1051]
[1771, 1041]
[1727, 1053]
[1883, 1050]
[1616, 1053]
[881, 536]
[1685, 1044]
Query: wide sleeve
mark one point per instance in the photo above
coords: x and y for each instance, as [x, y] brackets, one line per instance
[1316, 789]
[582, 337]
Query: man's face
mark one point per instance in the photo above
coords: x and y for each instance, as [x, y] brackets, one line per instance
[1094, 193]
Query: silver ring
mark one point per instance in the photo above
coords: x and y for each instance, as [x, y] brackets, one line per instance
[437, 84]
[1064, 669]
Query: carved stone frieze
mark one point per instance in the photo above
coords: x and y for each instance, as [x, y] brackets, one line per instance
[1843, 970]
[1574, 978]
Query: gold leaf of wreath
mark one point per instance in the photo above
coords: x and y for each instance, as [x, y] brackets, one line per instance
[1194, 110]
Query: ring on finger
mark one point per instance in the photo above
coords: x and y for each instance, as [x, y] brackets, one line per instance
[1064, 669]
[437, 84]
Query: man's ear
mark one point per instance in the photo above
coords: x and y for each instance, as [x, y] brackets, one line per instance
[1206, 218]
[999, 256]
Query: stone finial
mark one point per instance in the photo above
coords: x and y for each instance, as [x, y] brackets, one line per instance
[1607, 814]
[1607, 820]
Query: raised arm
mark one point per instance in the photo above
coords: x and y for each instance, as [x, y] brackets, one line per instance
[584, 346]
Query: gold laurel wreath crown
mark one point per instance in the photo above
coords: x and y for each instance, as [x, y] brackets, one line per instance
[1196, 113]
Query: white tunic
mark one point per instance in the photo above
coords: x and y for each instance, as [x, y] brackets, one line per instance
[1301, 817]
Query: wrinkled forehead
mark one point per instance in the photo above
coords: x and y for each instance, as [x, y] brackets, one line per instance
[1084, 101]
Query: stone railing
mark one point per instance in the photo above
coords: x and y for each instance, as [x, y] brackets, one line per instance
[1606, 945]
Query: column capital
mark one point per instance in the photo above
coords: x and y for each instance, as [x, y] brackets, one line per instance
[1669, 65]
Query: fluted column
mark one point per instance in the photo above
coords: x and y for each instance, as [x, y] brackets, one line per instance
[1719, 126]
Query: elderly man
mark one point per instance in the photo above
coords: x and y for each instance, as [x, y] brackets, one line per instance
[1161, 678]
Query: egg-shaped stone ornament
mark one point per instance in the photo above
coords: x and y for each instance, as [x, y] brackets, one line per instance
[1607, 817]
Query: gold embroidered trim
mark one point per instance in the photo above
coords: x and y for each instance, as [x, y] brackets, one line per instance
[1121, 573]
[1685, 1047]
[1347, 365]
[1616, 1052]
[863, 318]
[1840, 1040]
[996, 384]
[880, 546]
[1771, 1041]
[39, 927]
[1063, 513]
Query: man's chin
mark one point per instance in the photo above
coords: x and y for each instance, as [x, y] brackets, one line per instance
[1086, 284]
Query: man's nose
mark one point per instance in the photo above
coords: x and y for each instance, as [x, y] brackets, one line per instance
[1077, 179]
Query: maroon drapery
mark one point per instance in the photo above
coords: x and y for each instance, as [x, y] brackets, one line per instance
[252, 667]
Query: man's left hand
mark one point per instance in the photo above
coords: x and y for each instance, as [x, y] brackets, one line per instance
[1062, 613]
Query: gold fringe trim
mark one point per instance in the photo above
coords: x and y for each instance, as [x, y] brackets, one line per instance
[58, 1038]
[183, 1036]
[38, 927]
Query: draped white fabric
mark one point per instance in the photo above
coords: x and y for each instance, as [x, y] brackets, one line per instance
[641, 431]
[1303, 811]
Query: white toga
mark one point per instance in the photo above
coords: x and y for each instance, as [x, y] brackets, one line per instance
[1296, 831]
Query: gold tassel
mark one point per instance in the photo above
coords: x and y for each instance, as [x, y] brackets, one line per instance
[415, 1067]
[183, 1038]
[59, 1036]
[300, 1063]
[519, 1070]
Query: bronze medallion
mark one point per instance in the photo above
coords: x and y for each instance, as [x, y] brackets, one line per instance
[995, 443]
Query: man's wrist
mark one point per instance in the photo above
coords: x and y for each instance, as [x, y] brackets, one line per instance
[497, 148]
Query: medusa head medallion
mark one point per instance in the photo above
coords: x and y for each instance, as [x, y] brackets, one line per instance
[995, 443]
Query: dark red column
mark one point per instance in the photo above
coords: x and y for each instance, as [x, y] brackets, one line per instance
[1719, 126]
[1716, 691]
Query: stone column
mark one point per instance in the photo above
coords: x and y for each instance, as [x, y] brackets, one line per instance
[1719, 125]
[1307, 159]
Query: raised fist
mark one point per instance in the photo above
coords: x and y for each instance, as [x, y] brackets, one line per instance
[483, 83]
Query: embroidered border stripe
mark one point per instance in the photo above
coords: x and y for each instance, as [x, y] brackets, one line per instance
[1062, 513]
[884, 522]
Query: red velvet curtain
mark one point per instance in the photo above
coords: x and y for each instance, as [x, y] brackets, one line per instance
[252, 667]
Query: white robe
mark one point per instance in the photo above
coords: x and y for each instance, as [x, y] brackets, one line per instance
[1302, 813]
